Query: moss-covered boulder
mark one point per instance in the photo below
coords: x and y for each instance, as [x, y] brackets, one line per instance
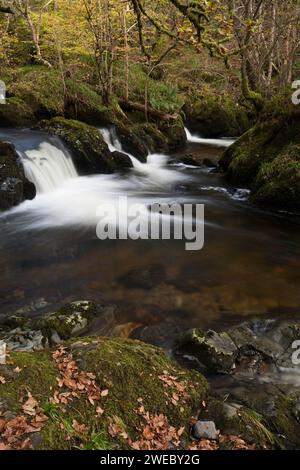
[89, 150]
[16, 113]
[267, 159]
[215, 116]
[123, 385]
[14, 187]
[155, 140]
[76, 319]
[131, 140]
[175, 133]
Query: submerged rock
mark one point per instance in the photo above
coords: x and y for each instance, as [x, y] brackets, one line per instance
[14, 187]
[144, 278]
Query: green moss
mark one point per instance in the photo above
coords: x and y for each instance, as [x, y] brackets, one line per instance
[154, 138]
[266, 159]
[130, 370]
[213, 115]
[240, 421]
[87, 145]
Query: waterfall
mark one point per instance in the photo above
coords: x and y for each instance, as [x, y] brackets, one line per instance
[194, 139]
[155, 169]
[48, 166]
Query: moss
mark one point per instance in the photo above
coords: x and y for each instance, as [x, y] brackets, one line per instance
[215, 115]
[16, 113]
[130, 370]
[266, 159]
[240, 421]
[87, 145]
[154, 138]
[175, 133]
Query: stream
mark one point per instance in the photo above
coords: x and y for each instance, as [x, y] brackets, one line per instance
[50, 255]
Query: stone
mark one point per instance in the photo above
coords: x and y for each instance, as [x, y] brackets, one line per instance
[144, 278]
[205, 430]
[121, 160]
[2, 352]
[215, 351]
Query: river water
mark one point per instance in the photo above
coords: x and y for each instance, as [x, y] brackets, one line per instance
[49, 252]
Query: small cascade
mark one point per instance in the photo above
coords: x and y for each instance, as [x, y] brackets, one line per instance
[194, 139]
[48, 166]
[155, 169]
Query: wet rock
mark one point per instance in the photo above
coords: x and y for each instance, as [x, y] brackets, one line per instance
[90, 152]
[205, 430]
[144, 278]
[24, 340]
[77, 319]
[14, 188]
[209, 163]
[216, 352]
[190, 160]
[121, 160]
[132, 142]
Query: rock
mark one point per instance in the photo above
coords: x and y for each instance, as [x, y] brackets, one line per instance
[215, 351]
[14, 188]
[16, 113]
[205, 430]
[2, 352]
[131, 142]
[215, 116]
[175, 132]
[155, 140]
[144, 278]
[24, 340]
[76, 319]
[90, 152]
[121, 160]
[125, 368]
[266, 159]
[189, 160]
[209, 163]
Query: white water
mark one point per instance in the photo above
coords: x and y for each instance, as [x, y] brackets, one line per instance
[48, 167]
[66, 199]
[194, 139]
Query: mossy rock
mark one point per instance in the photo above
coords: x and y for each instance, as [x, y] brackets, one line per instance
[155, 140]
[238, 420]
[175, 132]
[215, 116]
[266, 159]
[129, 370]
[16, 113]
[131, 140]
[14, 187]
[76, 319]
[216, 352]
[90, 152]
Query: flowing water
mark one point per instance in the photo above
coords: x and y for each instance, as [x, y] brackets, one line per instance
[49, 252]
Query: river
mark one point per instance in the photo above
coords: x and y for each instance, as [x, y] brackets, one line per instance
[49, 252]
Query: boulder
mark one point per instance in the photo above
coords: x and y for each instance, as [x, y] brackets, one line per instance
[90, 152]
[216, 352]
[121, 160]
[266, 159]
[122, 384]
[131, 141]
[14, 187]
